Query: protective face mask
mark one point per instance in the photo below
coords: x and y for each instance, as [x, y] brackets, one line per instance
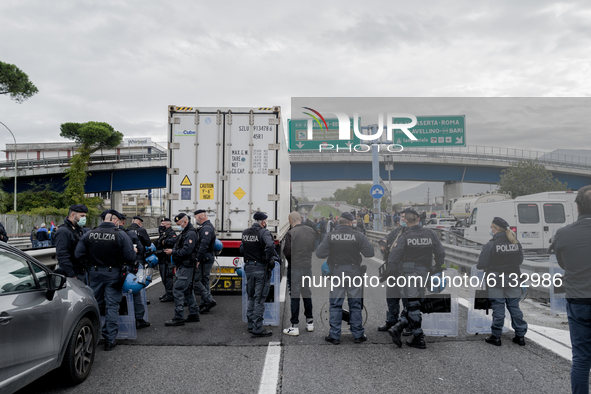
[354, 225]
[403, 224]
[491, 233]
[82, 221]
[161, 228]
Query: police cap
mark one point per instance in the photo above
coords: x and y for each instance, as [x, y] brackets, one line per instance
[138, 218]
[259, 216]
[348, 216]
[104, 213]
[79, 208]
[165, 220]
[179, 216]
[500, 222]
[114, 213]
[123, 217]
[197, 212]
[410, 210]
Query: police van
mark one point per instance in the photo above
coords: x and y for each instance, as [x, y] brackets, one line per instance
[534, 218]
[232, 162]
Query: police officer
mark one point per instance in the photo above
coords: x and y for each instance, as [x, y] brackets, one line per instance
[205, 259]
[412, 257]
[183, 257]
[110, 254]
[3, 235]
[137, 226]
[67, 237]
[166, 240]
[393, 295]
[503, 255]
[138, 306]
[573, 249]
[258, 249]
[344, 248]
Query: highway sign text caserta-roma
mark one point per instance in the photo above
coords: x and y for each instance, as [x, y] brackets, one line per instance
[433, 131]
[298, 135]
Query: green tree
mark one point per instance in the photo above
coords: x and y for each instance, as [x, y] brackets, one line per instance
[528, 177]
[15, 83]
[360, 191]
[91, 136]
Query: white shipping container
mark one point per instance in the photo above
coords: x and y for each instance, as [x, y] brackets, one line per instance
[232, 162]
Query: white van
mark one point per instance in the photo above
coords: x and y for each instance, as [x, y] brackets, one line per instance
[534, 218]
[462, 207]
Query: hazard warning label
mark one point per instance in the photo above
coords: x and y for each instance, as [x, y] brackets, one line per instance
[186, 181]
[206, 191]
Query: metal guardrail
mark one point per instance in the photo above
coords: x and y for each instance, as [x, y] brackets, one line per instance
[473, 152]
[464, 254]
[96, 159]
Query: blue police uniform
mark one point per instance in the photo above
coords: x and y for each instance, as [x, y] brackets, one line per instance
[500, 256]
[206, 258]
[393, 296]
[138, 305]
[108, 251]
[412, 257]
[258, 249]
[183, 256]
[67, 237]
[344, 248]
[166, 240]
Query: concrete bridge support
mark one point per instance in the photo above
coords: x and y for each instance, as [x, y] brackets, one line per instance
[451, 190]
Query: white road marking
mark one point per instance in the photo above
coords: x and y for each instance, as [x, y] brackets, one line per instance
[270, 376]
[555, 340]
[157, 280]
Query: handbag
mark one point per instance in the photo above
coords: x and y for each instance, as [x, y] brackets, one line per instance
[481, 300]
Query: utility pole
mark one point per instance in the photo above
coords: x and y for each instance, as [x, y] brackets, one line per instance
[428, 200]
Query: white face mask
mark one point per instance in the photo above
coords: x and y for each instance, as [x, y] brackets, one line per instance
[82, 221]
[354, 225]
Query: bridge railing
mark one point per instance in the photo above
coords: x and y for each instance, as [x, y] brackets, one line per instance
[472, 152]
[95, 159]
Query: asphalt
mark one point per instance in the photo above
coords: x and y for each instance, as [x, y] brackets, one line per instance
[218, 355]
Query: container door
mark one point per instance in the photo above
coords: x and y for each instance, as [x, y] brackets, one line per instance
[195, 164]
[250, 170]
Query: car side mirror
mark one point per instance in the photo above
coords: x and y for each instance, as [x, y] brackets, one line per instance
[56, 282]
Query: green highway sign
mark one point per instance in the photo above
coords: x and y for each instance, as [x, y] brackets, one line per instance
[433, 131]
[298, 135]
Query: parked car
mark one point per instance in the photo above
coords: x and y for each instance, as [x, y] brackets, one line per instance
[441, 223]
[47, 322]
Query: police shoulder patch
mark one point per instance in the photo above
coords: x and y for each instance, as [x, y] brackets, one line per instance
[207, 232]
[190, 241]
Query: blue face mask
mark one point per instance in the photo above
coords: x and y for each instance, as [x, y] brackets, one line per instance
[491, 233]
[403, 224]
[82, 221]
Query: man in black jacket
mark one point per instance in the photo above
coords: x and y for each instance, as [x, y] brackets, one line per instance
[205, 259]
[258, 249]
[572, 245]
[183, 257]
[300, 243]
[137, 227]
[166, 240]
[67, 237]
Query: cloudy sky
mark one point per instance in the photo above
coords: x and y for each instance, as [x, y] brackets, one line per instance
[124, 62]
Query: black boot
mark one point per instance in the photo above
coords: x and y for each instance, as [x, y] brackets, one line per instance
[385, 327]
[395, 332]
[417, 341]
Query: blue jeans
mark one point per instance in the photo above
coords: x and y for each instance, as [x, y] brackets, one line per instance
[337, 297]
[579, 322]
[108, 297]
[499, 297]
[296, 288]
[258, 284]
